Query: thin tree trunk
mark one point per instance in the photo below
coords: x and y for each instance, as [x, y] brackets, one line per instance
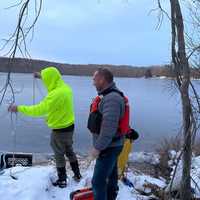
[182, 70]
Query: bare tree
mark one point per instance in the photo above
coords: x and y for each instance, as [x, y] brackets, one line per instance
[16, 43]
[190, 109]
[181, 68]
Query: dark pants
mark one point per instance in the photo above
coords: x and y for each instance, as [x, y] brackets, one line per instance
[61, 143]
[105, 177]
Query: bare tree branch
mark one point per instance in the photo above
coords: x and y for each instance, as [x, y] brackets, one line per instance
[17, 41]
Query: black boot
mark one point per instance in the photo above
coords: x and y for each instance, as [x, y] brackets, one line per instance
[75, 168]
[62, 178]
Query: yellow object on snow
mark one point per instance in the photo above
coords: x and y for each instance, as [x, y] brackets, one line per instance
[123, 157]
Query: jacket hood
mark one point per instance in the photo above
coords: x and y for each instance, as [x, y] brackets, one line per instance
[51, 78]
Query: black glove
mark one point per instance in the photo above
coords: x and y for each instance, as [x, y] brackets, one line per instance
[132, 134]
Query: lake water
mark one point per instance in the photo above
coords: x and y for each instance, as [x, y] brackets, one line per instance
[155, 112]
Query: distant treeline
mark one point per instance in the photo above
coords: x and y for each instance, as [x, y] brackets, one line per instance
[21, 65]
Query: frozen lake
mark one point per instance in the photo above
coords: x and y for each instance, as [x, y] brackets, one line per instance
[155, 112]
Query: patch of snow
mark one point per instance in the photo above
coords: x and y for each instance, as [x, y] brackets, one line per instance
[195, 79]
[162, 77]
[140, 182]
[144, 157]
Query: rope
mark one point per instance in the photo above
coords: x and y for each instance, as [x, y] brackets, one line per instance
[13, 130]
[36, 86]
[14, 142]
[34, 94]
[39, 89]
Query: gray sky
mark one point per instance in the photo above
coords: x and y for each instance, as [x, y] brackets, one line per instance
[85, 31]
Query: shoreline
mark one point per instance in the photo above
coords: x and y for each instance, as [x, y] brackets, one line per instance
[89, 76]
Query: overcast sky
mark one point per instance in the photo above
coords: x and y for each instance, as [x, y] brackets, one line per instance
[85, 31]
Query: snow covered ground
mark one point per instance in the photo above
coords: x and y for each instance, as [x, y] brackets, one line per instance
[34, 183]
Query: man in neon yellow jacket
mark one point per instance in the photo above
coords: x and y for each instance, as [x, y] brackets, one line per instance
[57, 109]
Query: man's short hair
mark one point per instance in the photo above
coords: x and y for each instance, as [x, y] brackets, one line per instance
[106, 73]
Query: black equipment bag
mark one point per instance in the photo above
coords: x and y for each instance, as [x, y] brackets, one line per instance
[7, 160]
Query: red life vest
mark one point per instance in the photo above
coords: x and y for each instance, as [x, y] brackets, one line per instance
[95, 118]
[124, 126]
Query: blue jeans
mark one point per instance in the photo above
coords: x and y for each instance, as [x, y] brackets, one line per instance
[105, 177]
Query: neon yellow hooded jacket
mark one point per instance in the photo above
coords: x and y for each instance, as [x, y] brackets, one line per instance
[57, 107]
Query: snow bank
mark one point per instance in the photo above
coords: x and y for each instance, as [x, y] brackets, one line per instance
[31, 184]
[144, 157]
[34, 183]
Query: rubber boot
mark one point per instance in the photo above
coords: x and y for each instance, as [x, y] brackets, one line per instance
[62, 177]
[75, 168]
